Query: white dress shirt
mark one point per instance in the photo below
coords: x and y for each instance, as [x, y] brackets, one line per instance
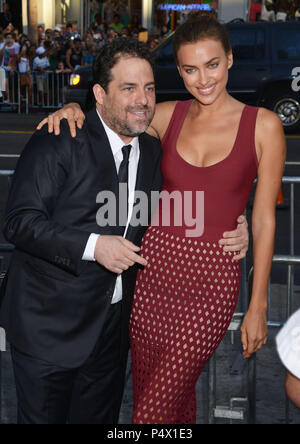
[116, 144]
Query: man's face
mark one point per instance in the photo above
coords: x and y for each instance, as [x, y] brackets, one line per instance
[128, 106]
[9, 40]
[6, 8]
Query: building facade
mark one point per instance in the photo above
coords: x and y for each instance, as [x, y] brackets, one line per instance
[173, 12]
[150, 14]
[52, 13]
[81, 13]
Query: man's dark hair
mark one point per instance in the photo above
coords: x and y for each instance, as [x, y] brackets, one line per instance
[109, 56]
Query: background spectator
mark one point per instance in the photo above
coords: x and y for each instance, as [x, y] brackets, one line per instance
[1, 36]
[41, 34]
[2, 82]
[9, 50]
[70, 32]
[74, 56]
[24, 69]
[5, 16]
[165, 32]
[117, 26]
[89, 55]
[41, 65]
[61, 69]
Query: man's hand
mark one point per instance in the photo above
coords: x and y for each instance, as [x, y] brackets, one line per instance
[117, 254]
[72, 112]
[237, 240]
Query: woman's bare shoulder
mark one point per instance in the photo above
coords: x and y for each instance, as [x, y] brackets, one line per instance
[161, 120]
[270, 135]
[268, 121]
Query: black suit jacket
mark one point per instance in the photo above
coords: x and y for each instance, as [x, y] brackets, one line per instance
[53, 303]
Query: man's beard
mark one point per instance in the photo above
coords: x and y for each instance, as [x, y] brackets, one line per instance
[123, 127]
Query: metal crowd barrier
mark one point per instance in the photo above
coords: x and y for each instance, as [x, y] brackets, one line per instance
[239, 408]
[47, 92]
[244, 408]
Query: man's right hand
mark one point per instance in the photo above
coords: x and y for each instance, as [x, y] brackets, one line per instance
[72, 112]
[117, 254]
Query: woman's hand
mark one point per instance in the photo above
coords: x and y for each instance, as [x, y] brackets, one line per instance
[72, 112]
[254, 332]
[237, 240]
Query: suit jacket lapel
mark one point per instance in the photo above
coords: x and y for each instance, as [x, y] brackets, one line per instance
[102, 149]
[104, 163]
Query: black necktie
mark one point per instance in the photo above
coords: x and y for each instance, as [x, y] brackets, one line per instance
[124, 167]
[123, 178]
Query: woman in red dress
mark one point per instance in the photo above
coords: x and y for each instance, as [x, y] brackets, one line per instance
[185, 298]
[213, 148]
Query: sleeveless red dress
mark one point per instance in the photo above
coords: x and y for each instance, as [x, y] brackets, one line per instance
[186, 296]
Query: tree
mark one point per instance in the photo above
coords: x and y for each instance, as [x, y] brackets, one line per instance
[32, 13]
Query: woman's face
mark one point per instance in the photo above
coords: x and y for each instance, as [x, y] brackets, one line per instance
[204, 68]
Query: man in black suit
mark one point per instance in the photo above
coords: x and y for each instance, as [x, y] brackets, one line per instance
[67, 296]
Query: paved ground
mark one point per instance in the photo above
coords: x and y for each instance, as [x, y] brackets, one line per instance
[270, 382]
[231, 381]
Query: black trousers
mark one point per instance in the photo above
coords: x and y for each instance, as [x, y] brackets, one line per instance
[91, 394]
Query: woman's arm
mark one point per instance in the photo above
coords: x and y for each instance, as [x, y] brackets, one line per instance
[271, 148]
[163, 114]
[75, 116]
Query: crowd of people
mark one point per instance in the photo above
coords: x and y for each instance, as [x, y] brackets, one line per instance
[63, 50]
[274, 10]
